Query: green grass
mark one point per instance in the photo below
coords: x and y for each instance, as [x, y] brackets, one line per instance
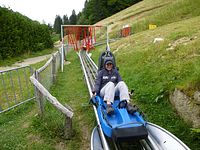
[17, 131]
[30, 131]
[16, 125]
[176, 11]
[69, 89]
[154, 72]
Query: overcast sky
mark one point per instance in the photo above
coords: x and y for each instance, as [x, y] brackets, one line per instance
[44, 9]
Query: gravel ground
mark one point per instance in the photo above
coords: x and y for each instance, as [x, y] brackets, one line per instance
[28, 61]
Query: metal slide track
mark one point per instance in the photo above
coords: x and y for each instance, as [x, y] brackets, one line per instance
[158, 138]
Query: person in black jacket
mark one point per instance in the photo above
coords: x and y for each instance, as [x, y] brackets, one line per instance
[108, 84]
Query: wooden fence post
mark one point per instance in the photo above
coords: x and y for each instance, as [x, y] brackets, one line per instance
[39, 96]
[68, 125]
[60, 55]
[54, 68]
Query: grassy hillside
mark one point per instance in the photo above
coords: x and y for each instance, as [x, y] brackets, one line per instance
[152, 69]
[159, 12]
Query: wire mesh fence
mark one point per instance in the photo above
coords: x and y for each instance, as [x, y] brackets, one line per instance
[46, 75]
[15, 87]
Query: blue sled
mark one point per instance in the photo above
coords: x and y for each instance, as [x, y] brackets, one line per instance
[121, 126]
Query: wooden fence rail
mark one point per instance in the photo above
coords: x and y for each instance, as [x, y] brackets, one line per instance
[42, 92]
[51, 98]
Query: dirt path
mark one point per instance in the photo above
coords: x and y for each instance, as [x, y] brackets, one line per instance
[28, 61]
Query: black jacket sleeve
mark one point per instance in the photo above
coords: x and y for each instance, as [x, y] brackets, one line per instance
[98, 83]
[118, 76]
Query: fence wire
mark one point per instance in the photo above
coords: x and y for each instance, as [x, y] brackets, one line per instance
[45, 76]
[47, 73]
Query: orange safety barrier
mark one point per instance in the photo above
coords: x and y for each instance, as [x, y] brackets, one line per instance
[81, 37]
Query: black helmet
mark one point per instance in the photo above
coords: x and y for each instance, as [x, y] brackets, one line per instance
[104, 57]
[108, 60]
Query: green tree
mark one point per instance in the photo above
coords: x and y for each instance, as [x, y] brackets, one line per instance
[73, 18]
[57, 24]
[19, 34]
[65, 20]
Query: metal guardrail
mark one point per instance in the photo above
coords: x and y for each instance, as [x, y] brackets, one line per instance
[90, 71]
[15, 87]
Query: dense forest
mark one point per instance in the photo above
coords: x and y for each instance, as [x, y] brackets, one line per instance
[93, 11]
[19, 34]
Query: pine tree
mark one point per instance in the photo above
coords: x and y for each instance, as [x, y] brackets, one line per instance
[73, 18]
[65, 20]
[57, 24]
